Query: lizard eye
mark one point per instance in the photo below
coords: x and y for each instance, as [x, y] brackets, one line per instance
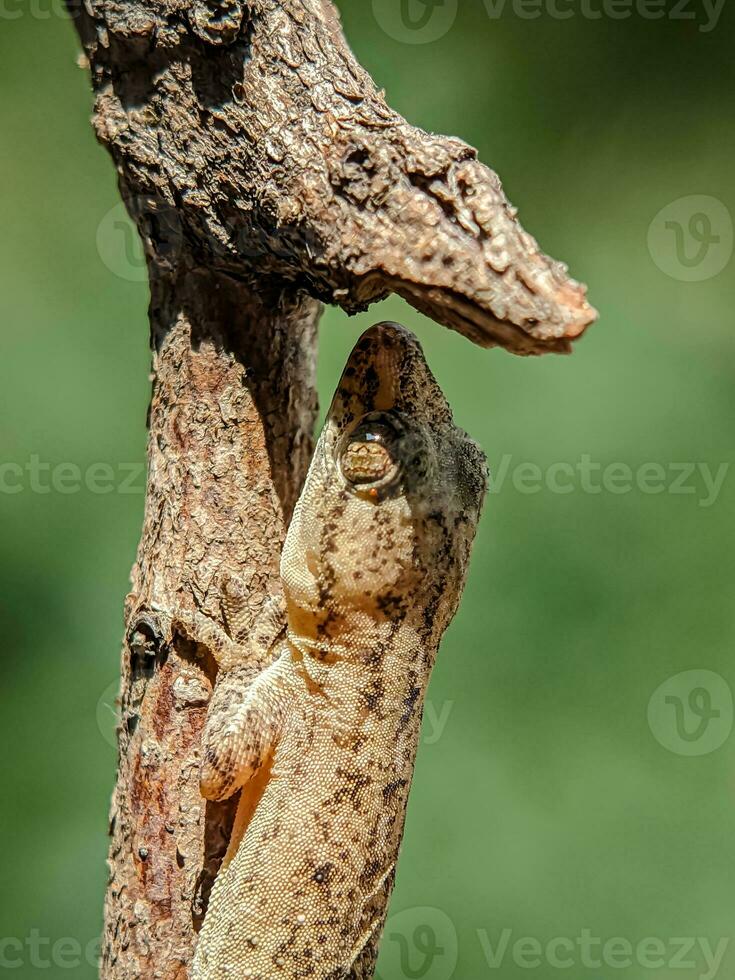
[368, 455]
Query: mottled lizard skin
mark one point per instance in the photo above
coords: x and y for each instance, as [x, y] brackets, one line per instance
[323, 741]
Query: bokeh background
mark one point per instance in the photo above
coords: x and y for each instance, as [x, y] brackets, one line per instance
[556, 791]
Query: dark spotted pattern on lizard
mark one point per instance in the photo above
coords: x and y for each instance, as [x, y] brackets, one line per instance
[323, 740]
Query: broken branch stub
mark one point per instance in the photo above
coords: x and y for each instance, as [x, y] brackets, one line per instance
[281, 158]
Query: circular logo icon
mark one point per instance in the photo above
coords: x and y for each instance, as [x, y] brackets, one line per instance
[692, 712]
[415, 21]
[108, 713]
[119, 244]
[691, 239]
[418, 944]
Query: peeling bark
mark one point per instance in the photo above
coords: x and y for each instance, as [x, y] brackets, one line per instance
[266, 174]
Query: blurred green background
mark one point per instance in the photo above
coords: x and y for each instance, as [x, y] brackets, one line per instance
[545, 804]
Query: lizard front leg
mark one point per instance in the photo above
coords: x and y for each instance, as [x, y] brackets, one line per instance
[245, 714]
[245, 710]
[244, 722]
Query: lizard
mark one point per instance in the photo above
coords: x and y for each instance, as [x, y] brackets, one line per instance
[321, 734]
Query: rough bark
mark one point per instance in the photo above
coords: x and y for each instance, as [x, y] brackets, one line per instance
[265, 173]
[278, 153]
[231, 421]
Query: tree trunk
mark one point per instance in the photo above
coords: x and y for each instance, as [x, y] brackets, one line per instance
[265, 174]
[231, 421]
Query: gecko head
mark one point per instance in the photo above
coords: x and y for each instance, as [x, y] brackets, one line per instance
[393, 495]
